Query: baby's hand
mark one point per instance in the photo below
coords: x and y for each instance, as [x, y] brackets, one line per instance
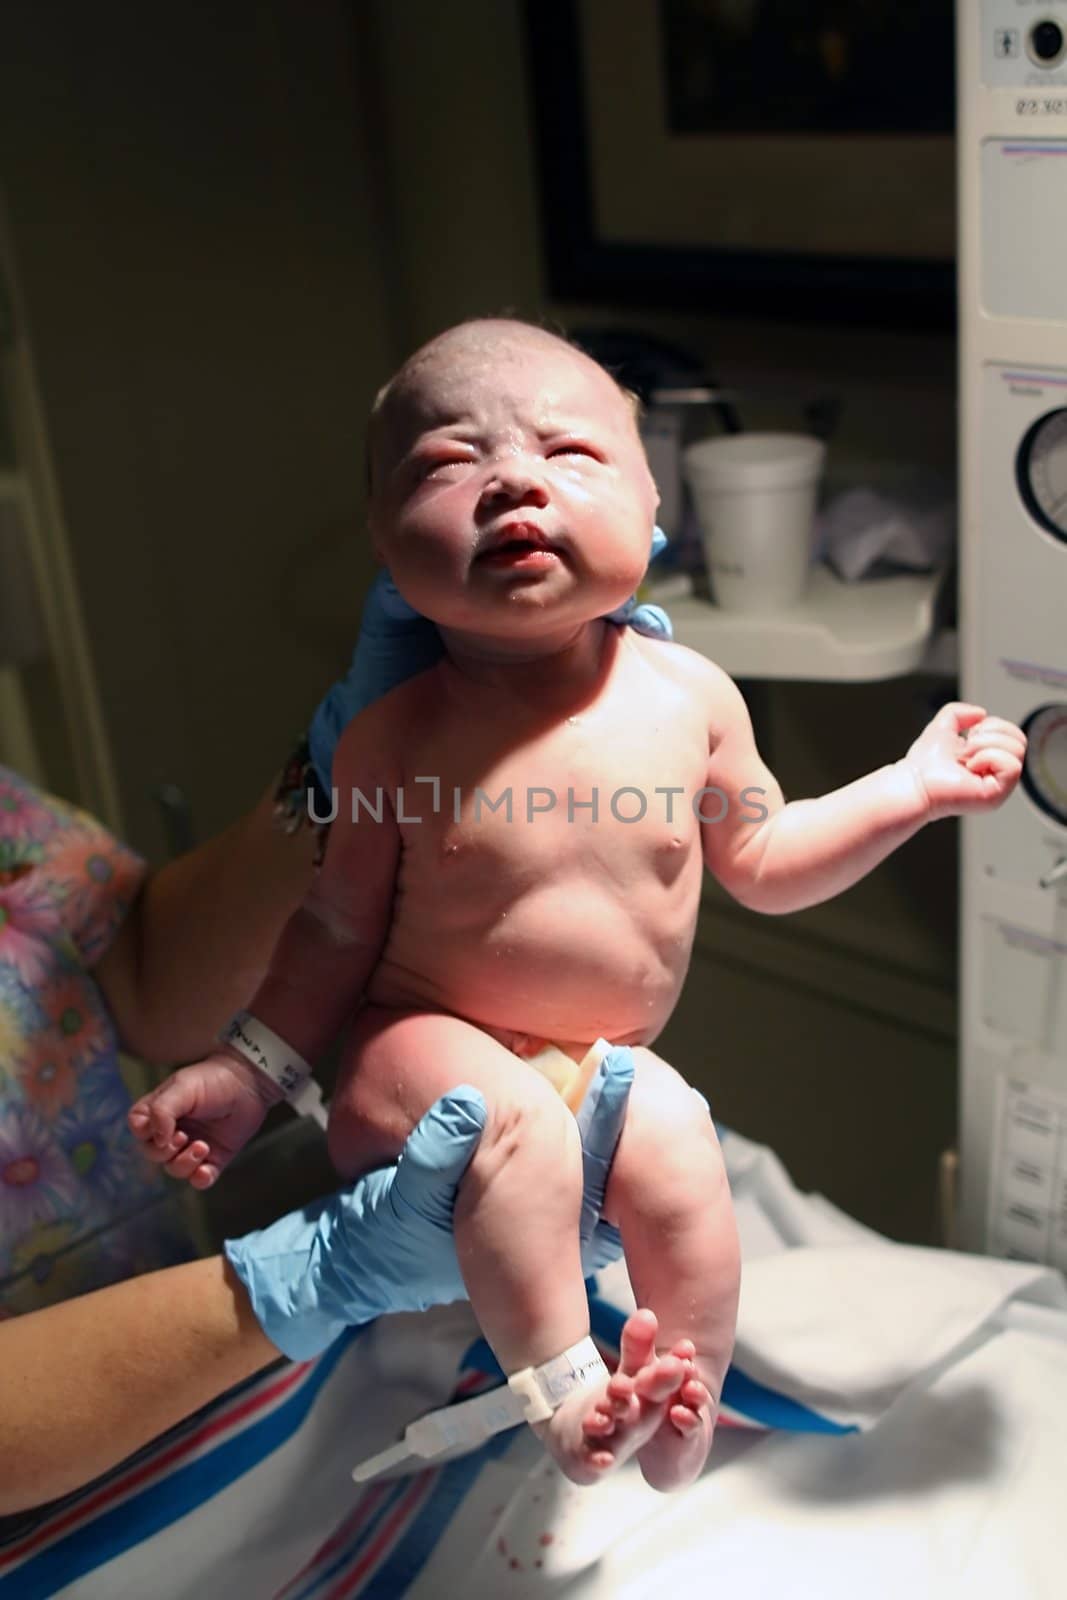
[965, 761]
[219, 1103]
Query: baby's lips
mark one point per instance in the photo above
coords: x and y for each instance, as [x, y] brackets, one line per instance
[518, 531]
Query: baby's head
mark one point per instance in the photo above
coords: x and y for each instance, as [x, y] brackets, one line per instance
[509, 487]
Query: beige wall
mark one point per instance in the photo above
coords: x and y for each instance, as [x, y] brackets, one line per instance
[193, 212]
[456, 104]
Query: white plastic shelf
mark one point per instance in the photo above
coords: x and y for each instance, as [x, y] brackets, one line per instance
[858, 632]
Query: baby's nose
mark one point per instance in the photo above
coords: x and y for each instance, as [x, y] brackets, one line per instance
[514, 480]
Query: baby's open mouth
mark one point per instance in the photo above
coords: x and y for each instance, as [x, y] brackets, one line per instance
[522, 548]
[516, 545]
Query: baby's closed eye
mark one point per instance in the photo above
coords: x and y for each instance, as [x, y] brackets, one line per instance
[574, 447]
[443, 466]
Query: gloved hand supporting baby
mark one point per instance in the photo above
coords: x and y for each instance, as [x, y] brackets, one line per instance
[385, 1243]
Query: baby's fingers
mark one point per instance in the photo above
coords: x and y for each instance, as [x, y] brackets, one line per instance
[958, 716]
[998, 725]
[154, 1119]
[156, 1127]
[994, 731]
[160, 1152]
[185, 1162]
[996, 776]
[991, 761]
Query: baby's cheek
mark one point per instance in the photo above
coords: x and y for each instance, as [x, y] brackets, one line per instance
[621, 568]
[422, 566]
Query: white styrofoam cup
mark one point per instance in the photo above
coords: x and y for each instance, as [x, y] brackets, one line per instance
[755, 500]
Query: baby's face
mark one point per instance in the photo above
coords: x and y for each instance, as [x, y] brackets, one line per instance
[511, 494]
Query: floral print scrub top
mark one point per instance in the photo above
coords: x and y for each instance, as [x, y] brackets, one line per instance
[79, 1205]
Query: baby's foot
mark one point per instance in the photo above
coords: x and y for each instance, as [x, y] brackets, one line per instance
[678, 1449]
[595, 1431]
[196, 1121]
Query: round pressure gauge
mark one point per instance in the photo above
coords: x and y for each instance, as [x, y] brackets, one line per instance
[1045, 767]
[1041, 471]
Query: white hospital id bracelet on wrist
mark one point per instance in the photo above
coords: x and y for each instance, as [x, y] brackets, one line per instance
[277, 1060]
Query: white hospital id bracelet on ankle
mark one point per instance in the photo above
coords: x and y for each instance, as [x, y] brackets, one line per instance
[278, 1061]
[531, 1395]
[542, 1390]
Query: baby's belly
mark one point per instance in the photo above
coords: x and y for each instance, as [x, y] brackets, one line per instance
[567, 961]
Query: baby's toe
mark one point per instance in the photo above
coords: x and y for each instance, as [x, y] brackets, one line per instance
[619, 1391]
[660, 1379]
[599, 1424]
[637, 1345]
[683, 1419]
[694, 1393]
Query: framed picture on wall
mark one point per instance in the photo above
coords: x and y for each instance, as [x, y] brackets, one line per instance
[776, 158]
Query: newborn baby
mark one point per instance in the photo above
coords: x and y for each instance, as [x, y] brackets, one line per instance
[516, 861]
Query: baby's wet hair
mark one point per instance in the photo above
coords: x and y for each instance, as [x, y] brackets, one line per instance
[546, 325]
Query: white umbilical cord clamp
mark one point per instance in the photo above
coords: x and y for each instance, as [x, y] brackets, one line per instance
[532, 1395]
[277, 1061]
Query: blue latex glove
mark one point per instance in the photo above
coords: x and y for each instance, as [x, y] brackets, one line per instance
[385, 1243]
[395, 642]
[600, 1119]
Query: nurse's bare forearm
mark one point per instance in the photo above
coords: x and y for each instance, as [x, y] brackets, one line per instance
[86, 1383]
[198, 940]
[812, 850]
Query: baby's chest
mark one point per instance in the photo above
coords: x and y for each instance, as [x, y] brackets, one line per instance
[580, 799]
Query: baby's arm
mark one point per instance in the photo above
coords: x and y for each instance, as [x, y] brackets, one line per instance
[775, 857]
[202, 1115]
[331, 944]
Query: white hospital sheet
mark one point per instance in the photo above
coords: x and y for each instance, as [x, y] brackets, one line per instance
[914, 1408]
[957, 1494]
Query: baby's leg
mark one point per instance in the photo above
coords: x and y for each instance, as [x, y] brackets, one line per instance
[669, 1195]
[516, 1218]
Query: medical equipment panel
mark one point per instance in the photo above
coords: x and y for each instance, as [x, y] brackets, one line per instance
[1012, 91]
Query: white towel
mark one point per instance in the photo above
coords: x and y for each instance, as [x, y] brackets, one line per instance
[956, 1492]
[841, 1319]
